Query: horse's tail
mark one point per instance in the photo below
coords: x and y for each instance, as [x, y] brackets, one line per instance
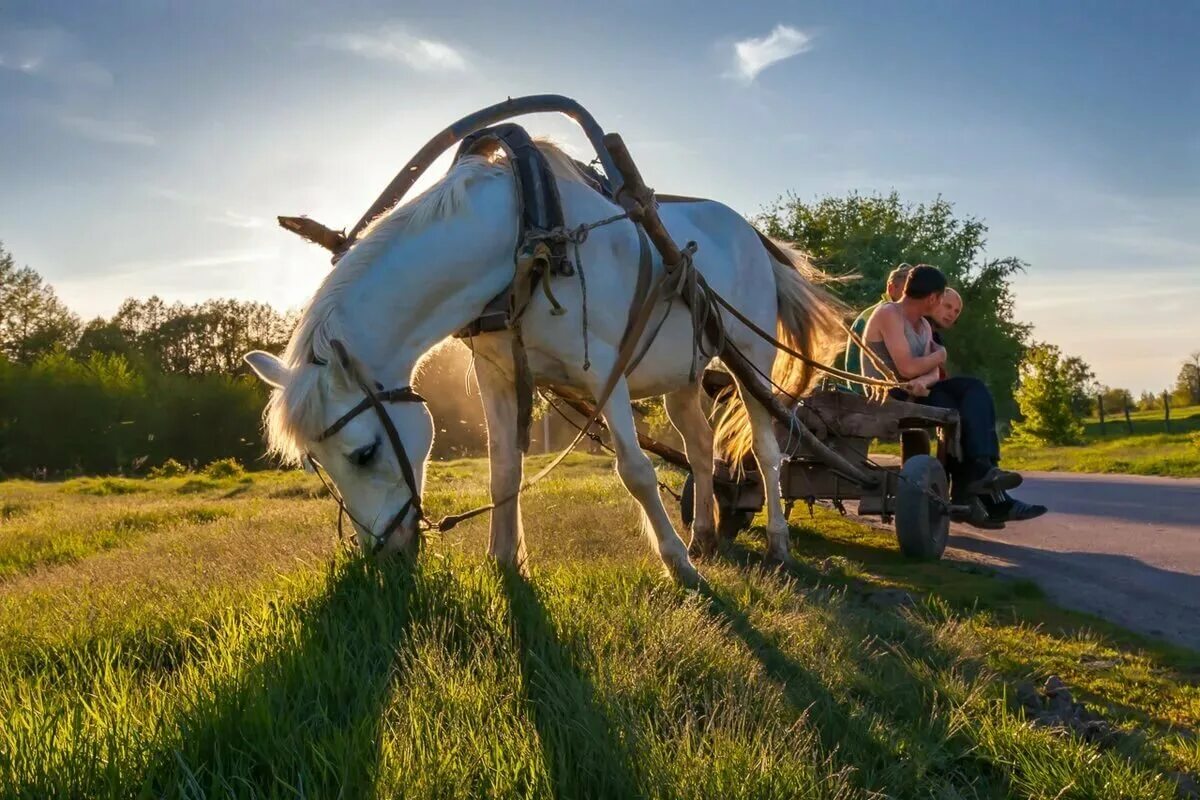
[810, 321]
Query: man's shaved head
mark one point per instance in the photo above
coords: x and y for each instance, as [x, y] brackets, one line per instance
[948, 310]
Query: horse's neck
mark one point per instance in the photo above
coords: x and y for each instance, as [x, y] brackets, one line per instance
[426, 286]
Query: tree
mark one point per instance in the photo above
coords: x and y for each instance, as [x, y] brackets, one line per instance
[867, 236]
[204, 339]
[1115, 400]
[1148, 401]
[1045, 397]
[1187, 384]
[33, 321]
[1083, 386]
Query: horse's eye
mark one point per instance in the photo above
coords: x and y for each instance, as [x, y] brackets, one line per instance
[363, 455]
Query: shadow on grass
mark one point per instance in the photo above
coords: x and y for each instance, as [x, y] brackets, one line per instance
[881, 758]
[305, 720]
[583, 752]
[910, 681]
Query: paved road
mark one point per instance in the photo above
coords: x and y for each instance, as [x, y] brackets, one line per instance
[1123, 547]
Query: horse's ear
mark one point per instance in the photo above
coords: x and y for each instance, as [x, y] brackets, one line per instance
[268, 367]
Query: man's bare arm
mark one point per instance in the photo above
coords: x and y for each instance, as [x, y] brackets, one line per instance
[891, 329]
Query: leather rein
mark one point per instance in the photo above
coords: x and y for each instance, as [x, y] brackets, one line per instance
[374, 399]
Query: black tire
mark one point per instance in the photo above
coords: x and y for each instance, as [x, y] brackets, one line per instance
[922, 523]
[729, 522]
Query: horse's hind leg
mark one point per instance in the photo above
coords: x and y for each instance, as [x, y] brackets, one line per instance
[499, 396]
[683, 409]
[769, 458]
[637, 473]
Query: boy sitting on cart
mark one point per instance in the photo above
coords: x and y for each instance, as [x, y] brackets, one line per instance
[901, 338]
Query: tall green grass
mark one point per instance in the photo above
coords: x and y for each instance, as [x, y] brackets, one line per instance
[249, 656]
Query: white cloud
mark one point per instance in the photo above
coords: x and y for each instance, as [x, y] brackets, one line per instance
[109, 131]
[53, 55]
[396, 45]
[751, 56]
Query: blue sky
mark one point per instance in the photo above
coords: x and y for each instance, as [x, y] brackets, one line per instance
[145, 147]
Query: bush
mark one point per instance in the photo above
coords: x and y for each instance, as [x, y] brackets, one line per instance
[224, 468]
[1045, 399]
[169, 469]
[104, 415]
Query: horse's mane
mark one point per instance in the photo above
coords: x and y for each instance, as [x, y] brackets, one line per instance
[296, 413]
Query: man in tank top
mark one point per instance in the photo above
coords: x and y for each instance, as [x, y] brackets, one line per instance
[901, 338]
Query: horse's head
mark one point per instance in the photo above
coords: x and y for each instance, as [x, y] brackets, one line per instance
[373, 442]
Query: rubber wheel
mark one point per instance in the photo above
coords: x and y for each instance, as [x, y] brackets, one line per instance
[729, 522]
[922, 523]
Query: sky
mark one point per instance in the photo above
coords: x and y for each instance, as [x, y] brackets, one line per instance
[146, 146]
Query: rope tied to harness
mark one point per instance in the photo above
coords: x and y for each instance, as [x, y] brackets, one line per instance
[575, 237]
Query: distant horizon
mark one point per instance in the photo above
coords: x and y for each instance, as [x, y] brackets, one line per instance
[147, 151]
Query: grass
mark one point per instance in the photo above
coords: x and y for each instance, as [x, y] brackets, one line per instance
[222, 644]
[1148, 451]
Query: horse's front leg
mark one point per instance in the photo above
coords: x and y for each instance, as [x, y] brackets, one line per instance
[683, 409]
[499, 396]
[637, 473]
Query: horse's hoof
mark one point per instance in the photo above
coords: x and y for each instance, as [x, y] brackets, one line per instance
[687, 576]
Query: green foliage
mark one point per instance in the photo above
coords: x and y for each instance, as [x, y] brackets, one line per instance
[1082, 380]
[169, 469]
[1149, 401]
[33, 321]
[867, 236]
[60, 415]
[1187, 383]
[1049, 386]
[224, 468]
[1116, 400]
[207, 338]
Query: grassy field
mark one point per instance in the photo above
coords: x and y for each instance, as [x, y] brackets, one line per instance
[192, 637]
[1149, 450]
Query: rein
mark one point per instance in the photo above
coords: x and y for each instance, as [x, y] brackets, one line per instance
[375, 400]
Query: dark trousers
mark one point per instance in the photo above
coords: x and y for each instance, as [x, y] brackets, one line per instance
[977, 423]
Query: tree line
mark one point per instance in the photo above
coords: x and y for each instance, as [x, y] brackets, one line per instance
[153, 382]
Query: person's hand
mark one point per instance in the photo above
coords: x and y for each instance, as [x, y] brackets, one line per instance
[941, 355]
[916, 389]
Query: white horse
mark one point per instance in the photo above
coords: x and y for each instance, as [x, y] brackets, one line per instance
[427, 270]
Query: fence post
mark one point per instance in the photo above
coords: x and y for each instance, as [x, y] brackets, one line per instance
[1100, 405]
[1128, 421]
[1167, 411]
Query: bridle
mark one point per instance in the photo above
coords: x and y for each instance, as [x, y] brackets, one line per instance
[374, 399]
